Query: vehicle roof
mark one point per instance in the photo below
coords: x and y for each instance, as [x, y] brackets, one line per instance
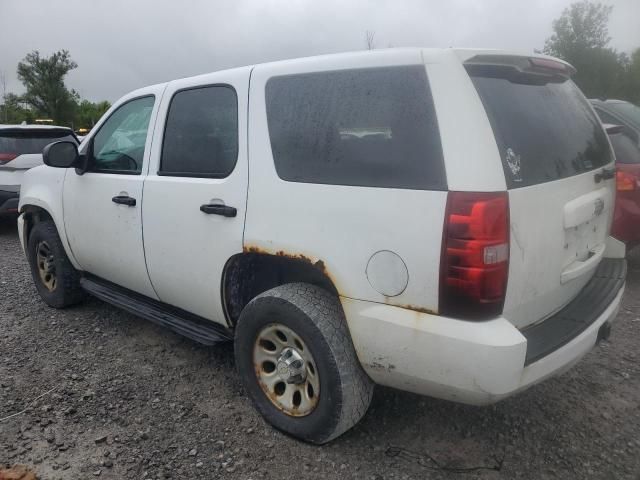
[33, 127]
[429, 55]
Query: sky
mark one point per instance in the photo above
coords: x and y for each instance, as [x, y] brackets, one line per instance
[121, 45]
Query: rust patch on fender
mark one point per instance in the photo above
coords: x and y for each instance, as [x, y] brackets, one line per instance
[319, 264]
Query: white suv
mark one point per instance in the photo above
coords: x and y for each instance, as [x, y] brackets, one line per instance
[21, 149]
[431, 220]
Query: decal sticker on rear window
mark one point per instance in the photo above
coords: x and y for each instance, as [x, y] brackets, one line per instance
[513, 160]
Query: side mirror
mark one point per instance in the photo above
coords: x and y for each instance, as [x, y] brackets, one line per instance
[61, 154]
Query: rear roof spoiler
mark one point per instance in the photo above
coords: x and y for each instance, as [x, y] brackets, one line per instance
[524, 65]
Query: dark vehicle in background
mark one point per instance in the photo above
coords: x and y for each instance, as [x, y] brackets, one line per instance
[619, 112]
[21, 149]
[626, 219]
[622, 121]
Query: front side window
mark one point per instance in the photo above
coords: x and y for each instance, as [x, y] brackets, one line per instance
[368, 127]
[118, 147]
[201, 134]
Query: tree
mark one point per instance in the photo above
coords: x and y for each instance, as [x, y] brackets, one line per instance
[370, 39]
[583, 25]
[12, 111]
[43, 78]
[580, 37]
[632, 78]
[88, 113]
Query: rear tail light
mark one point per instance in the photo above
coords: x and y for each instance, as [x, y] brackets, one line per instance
[7, 157]
[625, 182]
[475, 255]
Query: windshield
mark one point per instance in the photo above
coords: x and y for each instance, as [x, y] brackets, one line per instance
[31, 141]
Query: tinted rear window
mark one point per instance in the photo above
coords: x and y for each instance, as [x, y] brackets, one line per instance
[544, 132]
[30, 141]
[201, 134]
[367, 127]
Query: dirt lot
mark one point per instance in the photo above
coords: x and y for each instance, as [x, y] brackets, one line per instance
[126, 399]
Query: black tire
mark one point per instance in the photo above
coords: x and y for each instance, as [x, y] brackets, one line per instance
[316, 316]
[67, 290]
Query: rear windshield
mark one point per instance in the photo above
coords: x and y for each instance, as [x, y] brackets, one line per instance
[625, 148]
[368, 127]
[545, 132]
[25, 142]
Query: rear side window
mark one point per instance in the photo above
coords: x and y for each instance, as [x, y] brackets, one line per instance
[30, 141]
[544, 132]
[367, 127]
[201, 134]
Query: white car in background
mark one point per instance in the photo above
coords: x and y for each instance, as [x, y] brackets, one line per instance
[21, 149]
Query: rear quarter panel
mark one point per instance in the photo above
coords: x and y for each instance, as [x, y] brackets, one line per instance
[343, 226]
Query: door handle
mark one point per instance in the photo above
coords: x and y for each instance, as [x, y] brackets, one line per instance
[124, 200]
[218, 209]
[605, 174]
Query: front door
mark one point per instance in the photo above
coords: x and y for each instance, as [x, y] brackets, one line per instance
[102, 207]
[196, 191]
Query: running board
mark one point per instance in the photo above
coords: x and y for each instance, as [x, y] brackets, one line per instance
[187, 324]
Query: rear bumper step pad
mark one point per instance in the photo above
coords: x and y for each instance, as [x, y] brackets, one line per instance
[558, 330]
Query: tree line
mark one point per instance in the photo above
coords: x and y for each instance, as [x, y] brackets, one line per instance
[47, 96]
[580, 36]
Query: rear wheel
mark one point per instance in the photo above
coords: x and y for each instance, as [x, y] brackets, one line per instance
[297, 362]
[57, 282]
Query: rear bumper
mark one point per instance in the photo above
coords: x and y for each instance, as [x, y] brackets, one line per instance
[472, 362]
[9, 202]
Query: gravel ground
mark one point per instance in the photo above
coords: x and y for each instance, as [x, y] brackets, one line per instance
[127, 399]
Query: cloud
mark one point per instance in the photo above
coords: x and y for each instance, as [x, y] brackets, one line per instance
[121, 45]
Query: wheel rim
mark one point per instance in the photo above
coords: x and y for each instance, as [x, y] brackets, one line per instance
[46, 265]
[286, 370]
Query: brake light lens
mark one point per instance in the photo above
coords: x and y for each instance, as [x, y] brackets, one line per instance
[625, 182]
[7, 157]
[475, 255]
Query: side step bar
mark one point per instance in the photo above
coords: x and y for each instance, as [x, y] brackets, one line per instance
[191, 326]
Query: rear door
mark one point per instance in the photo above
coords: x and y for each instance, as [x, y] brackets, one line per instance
[196, 191]
[553, 152]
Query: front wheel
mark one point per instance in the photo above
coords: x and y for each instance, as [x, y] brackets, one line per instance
[57, 282]
[296, 360]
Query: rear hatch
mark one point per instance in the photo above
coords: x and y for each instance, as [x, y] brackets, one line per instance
[21, 148]
[558, 168]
